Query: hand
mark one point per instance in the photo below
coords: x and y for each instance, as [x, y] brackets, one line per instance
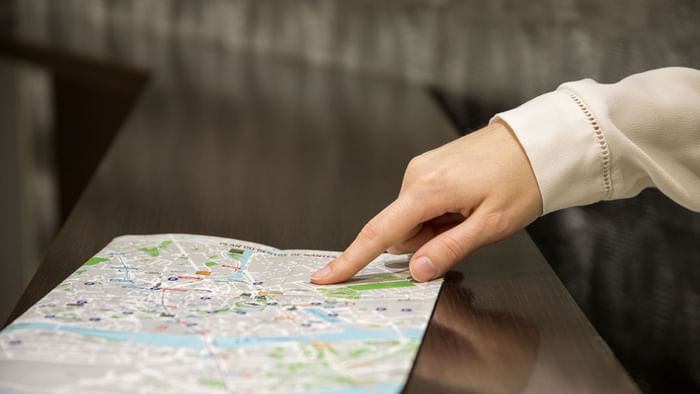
[454, 199]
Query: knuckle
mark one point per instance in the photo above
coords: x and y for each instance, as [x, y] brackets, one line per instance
[338, 262]
[415, 162]
[342, 265]
[396, 249]
[418, 164]
[498, 223]
[370, 232]
[452, 248]
[431, 181]
[420, 178]
[412, 169]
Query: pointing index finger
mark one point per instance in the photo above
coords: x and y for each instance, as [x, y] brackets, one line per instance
[384, 230]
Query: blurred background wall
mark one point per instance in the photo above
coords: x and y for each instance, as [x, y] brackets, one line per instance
[633, 266]
[28, 210]
[500, 52]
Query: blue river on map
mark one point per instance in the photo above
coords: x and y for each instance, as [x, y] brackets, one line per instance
[243, 266]
[348, 333]
[322, 314]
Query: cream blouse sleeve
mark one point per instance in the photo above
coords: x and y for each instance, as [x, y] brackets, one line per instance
[589, 141]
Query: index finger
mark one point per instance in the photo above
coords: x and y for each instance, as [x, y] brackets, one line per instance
[387, 228]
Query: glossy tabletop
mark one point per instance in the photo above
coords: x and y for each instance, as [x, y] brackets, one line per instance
[292, 156]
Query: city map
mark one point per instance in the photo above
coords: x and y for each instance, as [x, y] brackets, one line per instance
[192, 313]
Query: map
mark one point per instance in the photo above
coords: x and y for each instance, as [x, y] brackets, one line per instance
[192, 313]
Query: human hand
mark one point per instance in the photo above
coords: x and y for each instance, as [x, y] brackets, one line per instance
[454, 199]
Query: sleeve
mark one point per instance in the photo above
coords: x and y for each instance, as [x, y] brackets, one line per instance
[589, 141]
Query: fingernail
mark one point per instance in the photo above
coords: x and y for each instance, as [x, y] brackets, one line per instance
[322, 273]
[423, 269]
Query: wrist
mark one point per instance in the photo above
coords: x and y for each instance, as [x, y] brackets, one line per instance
[561, 148]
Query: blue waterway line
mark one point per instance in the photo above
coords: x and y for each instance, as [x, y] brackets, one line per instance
[348, 333]
[244, 259]
[322, 314]
[243, 264]
[382, 388]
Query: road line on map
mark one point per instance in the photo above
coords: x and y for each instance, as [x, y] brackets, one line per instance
[126, 270]
[207, 342]
[183, 252]
[204, 337]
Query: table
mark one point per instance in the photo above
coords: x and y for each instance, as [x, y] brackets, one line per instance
[281, 153]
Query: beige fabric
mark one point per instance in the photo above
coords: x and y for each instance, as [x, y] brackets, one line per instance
[589, 141]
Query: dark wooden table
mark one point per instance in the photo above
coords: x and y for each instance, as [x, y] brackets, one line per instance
[298, 157]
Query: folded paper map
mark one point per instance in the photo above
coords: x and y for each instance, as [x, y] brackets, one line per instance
[192, 313]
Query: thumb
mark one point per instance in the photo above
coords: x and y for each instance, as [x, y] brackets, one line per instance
[437, 256]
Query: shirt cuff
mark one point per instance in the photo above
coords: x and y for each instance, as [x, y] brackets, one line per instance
[566, 154]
